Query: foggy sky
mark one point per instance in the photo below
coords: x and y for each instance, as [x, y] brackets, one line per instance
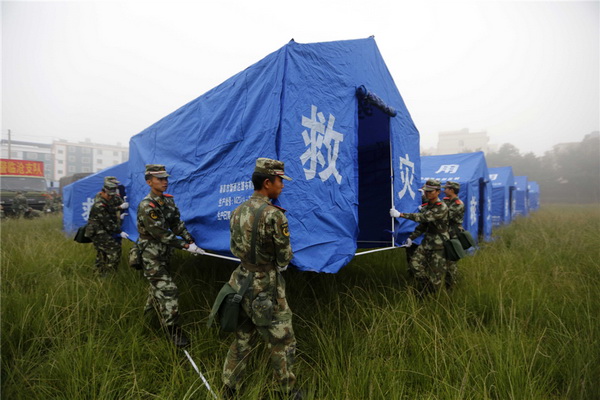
[525, 72]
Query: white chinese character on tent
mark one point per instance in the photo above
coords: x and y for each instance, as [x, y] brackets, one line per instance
[473, 211]
[407, 172]
[87, 207]
[493, 177]
[489, 209]
[448, 169]
[317, 135]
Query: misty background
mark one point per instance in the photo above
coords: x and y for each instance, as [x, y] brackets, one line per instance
[527, 73]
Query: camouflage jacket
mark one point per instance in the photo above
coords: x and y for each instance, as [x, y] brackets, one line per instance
[19, 203]
[433, 223]
[273, 237]
[456, 214]
[103, 218]
[116, 201]
[158, 220]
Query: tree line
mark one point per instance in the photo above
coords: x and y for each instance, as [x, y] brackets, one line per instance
[568, 173]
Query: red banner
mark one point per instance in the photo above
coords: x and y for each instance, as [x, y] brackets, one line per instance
[21, 167]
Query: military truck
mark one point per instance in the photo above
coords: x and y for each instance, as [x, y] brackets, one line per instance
[24, 176]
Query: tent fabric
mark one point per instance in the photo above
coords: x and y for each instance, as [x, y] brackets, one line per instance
[298, 105]
[534, 195]
[521, 196]
[470, 170]
[503, 200]
[78, 197]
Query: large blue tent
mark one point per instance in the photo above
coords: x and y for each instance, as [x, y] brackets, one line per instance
[470, 170]
[78, 197]
[332, 112]
[503, 199]
[522, 196]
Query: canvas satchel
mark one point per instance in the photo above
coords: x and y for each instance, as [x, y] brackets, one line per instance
[80, 235]
[454, 250]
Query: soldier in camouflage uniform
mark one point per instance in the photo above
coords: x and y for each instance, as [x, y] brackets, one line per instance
[119, 202]
[456, 214]
[428, 263]
[272, 255]
[104, 229]
[19, 205]
[159, 226]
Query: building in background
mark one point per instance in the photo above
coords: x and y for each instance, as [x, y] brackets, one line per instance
[63, 158]
[463, 141]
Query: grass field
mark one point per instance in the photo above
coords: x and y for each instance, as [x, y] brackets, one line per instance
[522, 324]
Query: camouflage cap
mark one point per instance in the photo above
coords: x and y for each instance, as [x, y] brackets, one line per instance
[452, 185]
[156, 170]
[110, 187]
[432, 185]
[268, 166]
[112, 179]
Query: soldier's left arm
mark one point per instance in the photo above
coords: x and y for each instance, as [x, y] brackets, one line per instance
[281, 238]
[178, 226]
[431, 214]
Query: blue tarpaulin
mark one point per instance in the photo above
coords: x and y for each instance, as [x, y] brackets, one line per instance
[299, 105]
[470, 170]
[78, 197]
[522, 196]
[503, 199]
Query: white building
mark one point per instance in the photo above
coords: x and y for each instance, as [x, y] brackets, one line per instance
[463, 141]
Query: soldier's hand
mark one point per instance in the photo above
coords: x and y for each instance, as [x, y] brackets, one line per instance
[122, 216]
[124, 235]
[394, 213]
[124, 206]
[195, 249]
[407, 243]
[281, 269]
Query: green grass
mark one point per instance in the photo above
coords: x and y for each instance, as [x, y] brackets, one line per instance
[522, 324]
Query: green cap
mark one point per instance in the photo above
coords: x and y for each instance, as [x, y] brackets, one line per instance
[156, 170]
[268, 166]
[452, 185]
[112, 179]
[110, 187]
[432, 185]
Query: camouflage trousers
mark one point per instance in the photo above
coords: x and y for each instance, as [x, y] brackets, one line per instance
[108, 252]
[279, 335]
[428, 268]
[163, 295]
[451, 273]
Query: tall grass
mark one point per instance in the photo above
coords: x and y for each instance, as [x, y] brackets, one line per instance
[522, 323]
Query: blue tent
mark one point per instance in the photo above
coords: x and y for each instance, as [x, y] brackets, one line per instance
[534, 195]
[470, 170]
[522, 196]
[503, 199]
[332, 112]
[78, 197]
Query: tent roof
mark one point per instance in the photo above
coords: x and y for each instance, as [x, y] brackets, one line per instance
[502, 176]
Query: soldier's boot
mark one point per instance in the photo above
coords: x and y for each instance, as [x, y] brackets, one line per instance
[178, 336]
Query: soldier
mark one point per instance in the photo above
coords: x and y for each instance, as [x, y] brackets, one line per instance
[456, 214]
[104, 229]
[428, 263]
[49, 202]
[262, 265]
[19, 205]
[159, 224]
[117, 202]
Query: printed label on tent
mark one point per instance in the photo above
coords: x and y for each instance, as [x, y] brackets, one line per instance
[448, 169]
[87, 207]
[316, 136]
[473, 211]
[232, 197]
[441, 178]
[493, 177]
[407, 173]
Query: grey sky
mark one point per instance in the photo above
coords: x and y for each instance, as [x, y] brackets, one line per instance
[526, 72]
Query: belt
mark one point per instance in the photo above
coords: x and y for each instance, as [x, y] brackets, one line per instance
[257, 267]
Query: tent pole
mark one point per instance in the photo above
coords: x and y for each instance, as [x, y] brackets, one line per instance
[392, 185]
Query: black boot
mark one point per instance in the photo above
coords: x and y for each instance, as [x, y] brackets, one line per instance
[178, 336]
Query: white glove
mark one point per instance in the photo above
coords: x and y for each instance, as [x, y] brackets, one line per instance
[281, 269]
[124, 235]
[407, 243]
[394, 213]
[123, 215]
[125, 204]
[195, 249]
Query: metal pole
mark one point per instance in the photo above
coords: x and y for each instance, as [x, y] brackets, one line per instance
[392, 185]
[200, 373]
